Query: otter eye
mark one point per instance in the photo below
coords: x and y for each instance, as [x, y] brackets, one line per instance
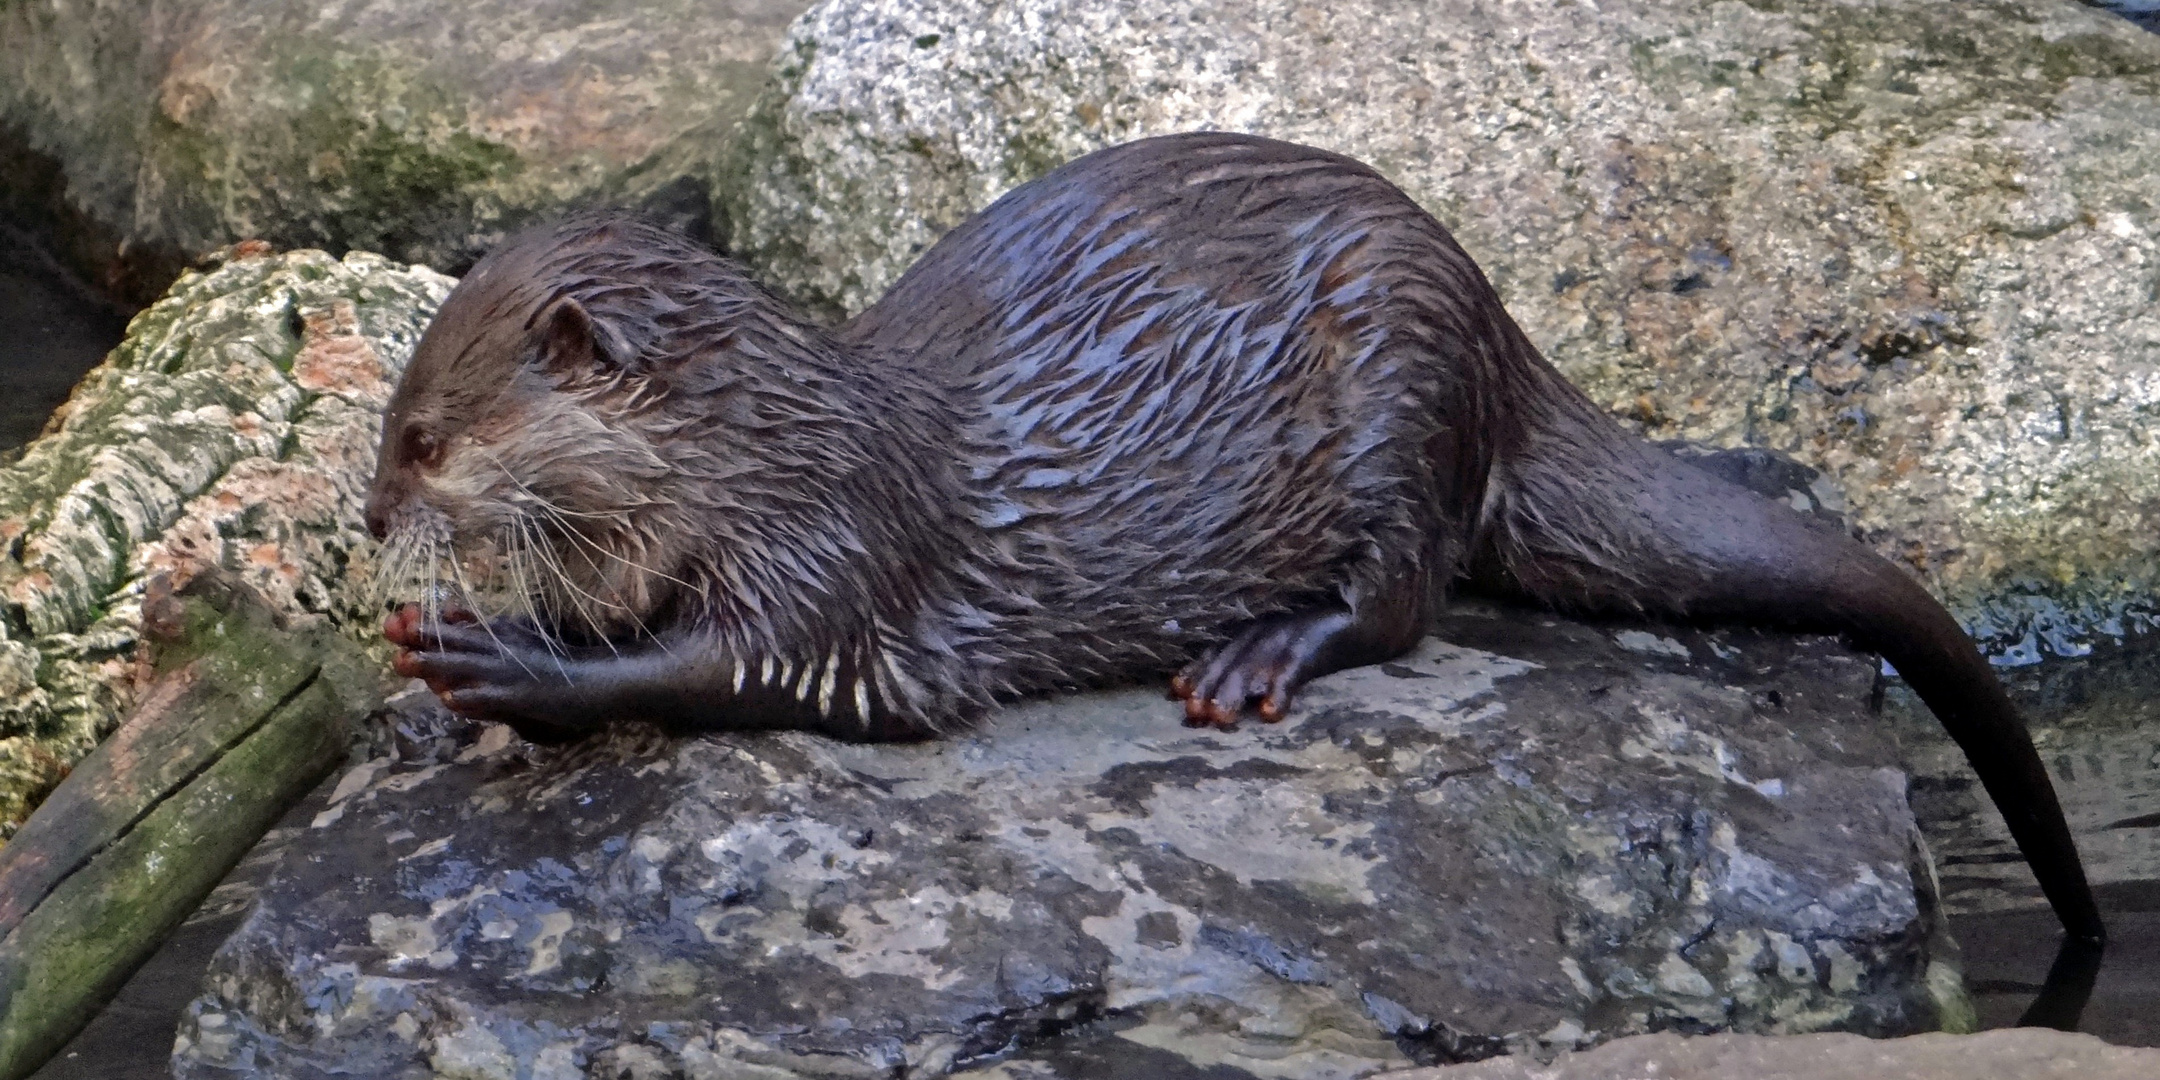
[421, 447]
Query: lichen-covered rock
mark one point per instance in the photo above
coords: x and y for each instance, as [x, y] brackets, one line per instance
[418, 130]
[235, 427]
[1909, 242]
[1528, 834]
[2011, 1054]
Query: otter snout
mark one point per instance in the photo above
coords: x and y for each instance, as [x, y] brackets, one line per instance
[380, 503]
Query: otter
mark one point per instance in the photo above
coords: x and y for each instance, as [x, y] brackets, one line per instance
[1209, 406]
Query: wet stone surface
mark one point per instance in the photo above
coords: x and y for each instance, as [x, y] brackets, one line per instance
[1530, 834]
[2022, 1054]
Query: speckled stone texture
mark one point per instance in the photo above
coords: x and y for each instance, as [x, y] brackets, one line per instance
[2013, 1054]
[1530, 834]
[418, 130]
[235, 427]
[1912, 243]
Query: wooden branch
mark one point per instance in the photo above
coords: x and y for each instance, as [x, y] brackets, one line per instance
[241, 719]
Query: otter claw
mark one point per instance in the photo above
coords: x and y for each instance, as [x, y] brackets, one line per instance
[486, 670]
[1260, 669]
[513, 705]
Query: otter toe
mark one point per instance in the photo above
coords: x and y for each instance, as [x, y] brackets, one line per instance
[402, 626]
[1260, 668]
[526, 708]
[1249, 667]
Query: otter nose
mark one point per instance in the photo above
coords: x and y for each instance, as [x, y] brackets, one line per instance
[378, 516]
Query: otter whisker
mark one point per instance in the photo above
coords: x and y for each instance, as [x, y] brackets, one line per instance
[389, 564]
[578, 599]
[579, 537]
[399, 566]
[617, 519]
[431, 599]
[600, 576]
[457, 570]
[559, 511]
[624, 607]
[575, 536]
[518, 555]
[524, 564]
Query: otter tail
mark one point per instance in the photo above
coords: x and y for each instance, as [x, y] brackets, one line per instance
[1581, 514]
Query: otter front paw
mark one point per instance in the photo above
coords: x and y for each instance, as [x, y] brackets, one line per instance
[500, 671]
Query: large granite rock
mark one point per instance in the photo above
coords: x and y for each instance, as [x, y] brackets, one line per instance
[2016, 1054]
[235, 427]
[422, 131]
[1529, 834]
[1909, 242]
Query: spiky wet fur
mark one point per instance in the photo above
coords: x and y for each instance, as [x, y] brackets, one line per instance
[1167, 390]
[1070, 468]
[731, 480]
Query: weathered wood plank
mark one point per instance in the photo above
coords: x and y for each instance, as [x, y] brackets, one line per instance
[241, 720]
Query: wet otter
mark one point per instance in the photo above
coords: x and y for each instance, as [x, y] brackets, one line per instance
[1204, 396]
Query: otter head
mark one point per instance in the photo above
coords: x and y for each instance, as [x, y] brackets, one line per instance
[632, 431]
[519, 432]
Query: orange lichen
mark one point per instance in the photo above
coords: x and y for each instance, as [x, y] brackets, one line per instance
[335, 358]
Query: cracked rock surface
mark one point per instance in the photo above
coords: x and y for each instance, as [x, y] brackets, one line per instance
[1911, 243]
[1529, 834]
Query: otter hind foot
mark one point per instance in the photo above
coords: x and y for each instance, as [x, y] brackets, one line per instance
[497, 670]
[1262, 667]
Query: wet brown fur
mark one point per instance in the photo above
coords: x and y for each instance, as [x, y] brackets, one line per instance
[1203, 395]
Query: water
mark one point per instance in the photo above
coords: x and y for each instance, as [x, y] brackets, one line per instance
[2096, 720]
[2145, 13]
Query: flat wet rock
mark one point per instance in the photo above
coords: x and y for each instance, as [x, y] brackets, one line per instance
[2023, 1054]
[1529, 834]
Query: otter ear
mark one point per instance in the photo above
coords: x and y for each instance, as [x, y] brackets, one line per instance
[570, 340]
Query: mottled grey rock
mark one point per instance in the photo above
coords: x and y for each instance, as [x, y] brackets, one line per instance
[235, 427]
[419, 130]
[1530, 834]
[1911, 243]
[2012, 1054]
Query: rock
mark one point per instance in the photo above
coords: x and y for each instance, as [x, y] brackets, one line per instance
[2012, 1054]
[422, 131]
[235, 427]
[1905, 241]
[1530, 834]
